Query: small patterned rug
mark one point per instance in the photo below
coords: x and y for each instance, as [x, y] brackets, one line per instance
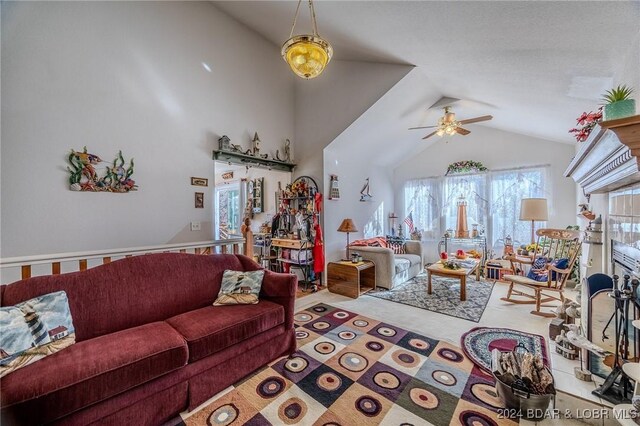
[353, 370]
[445, 297]
[480, 341]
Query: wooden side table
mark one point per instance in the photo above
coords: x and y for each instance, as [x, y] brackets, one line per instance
[351, 279]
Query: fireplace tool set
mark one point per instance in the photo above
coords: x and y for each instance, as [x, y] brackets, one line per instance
[617, 387]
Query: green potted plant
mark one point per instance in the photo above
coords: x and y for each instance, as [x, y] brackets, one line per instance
[618, 103]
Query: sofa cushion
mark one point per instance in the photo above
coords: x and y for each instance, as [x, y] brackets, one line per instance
[413, 259]
[214, 328]
[401, 264]
[92, 371]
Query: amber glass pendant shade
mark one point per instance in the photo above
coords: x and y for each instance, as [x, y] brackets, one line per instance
[307, 55]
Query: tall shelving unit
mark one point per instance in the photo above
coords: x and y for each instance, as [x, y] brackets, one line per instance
[299, 197]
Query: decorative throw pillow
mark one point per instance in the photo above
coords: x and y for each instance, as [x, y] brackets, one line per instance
[240, 288]
[562, 263]
[539, 271]
[33, 329]
[396, 244]
[370, 242]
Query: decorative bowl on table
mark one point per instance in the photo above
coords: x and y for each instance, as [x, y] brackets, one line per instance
[460, 254]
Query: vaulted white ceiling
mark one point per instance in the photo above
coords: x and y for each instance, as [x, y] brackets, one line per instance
[534, 65]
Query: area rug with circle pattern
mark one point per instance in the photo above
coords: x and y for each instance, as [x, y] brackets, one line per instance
[479, 342]
[352, 370]
[445, 297]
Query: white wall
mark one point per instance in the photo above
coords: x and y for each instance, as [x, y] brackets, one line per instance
[126, 76]
[352, 174]
[330, 103]
[496, 149]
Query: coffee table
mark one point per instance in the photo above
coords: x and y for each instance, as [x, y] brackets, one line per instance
[439, 270]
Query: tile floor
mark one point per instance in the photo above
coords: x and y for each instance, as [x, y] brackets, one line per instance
[575, 394]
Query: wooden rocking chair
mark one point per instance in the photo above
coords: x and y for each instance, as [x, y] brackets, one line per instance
[551, 264]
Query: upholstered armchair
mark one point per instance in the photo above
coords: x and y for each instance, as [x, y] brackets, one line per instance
[391, 268]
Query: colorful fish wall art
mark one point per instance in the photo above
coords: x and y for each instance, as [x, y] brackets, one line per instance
[84, 176]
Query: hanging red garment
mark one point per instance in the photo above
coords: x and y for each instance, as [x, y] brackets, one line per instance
[318, 201]
[318, 250]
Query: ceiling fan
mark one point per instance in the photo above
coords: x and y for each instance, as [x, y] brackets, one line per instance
[448, 125]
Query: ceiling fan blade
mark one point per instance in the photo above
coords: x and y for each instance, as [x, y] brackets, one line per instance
[477, 119]
[424, 127]
[462, 131]
[429, 135]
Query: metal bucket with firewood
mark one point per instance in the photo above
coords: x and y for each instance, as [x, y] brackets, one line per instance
[523, 383]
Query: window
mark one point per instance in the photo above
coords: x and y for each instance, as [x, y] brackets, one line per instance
[421, 200]
[473, 188]
[507, 189]
[493, 202]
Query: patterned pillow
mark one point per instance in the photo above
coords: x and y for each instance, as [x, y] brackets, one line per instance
[539, 271]
[396, 244]
[34, 329]
[240, 288]
[370, 242]
[562, 263]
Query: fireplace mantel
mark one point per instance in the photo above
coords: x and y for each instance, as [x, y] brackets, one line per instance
[610, 158]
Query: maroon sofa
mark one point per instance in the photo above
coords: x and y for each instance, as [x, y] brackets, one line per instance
[149, 343]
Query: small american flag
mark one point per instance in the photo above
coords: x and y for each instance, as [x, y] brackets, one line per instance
[409, 222]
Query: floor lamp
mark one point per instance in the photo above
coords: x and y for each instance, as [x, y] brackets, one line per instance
[533, 209]
[347, 226]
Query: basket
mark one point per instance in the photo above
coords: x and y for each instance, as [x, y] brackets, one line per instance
[527, 405]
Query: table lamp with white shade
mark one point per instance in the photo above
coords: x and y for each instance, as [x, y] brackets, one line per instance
[534, 209]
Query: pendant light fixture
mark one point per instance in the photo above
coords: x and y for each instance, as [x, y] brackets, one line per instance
[306, 54]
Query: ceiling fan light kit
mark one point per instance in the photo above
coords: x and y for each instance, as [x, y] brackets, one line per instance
[306, 54]
[449, 126]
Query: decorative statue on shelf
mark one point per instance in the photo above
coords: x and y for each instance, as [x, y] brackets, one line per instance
[287, 150]
[224, 143]
[255, 145]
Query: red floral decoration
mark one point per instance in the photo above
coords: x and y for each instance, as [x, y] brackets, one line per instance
[588, 121]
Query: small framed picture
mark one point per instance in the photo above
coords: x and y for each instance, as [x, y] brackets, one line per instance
[199, 181]
[199, 200]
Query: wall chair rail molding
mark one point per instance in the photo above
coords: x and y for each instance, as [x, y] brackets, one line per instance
[610, 158]
[249, 160]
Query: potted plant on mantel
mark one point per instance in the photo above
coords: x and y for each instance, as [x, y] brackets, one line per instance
[618, 103]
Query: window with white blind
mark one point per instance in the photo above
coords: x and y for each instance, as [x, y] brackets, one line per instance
[493, 202]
